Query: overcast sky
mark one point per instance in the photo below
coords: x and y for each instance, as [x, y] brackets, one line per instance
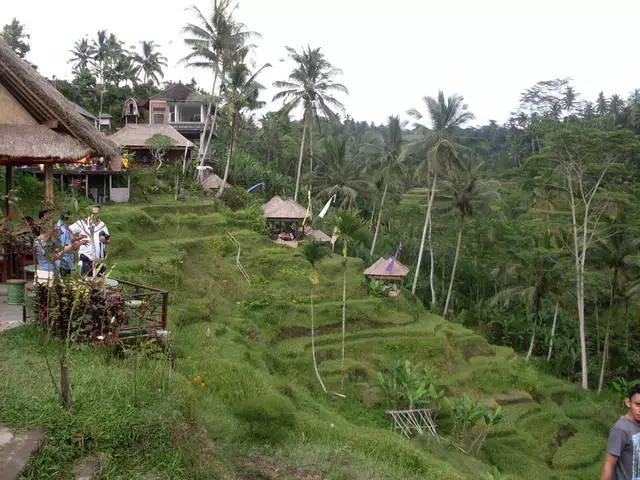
[392, 52]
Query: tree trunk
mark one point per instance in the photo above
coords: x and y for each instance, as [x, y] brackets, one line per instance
[553, 331]
[207, 120]
[234, 128]
[427, 221]
[453, 269]
[311, 155]
[65, 388]
[533, 338]
[304, 132]
[605, 348]
[313, 345]
[432, 271]
[344, 321]
[375, 235]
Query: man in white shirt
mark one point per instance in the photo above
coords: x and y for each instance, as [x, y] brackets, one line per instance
[93, 253]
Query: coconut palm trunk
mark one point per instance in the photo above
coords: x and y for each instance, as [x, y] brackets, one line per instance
[204, 142]
[553, 332]
[605, 348]
[427, 221]
[453, 269]
[234, 129]
[344, 320]
[532, 343]
[375, 234]
[299, 171]
[313, 343]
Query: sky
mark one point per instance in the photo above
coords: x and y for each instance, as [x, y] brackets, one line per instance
[392, 53]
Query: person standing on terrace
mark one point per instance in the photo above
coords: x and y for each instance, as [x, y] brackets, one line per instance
[92, 254]
[622, 460]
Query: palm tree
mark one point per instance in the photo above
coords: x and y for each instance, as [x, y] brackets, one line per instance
[313, 253]
[241, 91]
[339, 173]
[389, 166]
[467, 191]
[350, 230]
[442, 152]
[618, 251]
[536, 277]
[311, 86]
[82, 53]
[214, 41]
[150, 62]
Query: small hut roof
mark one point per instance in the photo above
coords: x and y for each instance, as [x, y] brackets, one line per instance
[39, 144]
[380, 268]
[286, 210]
[48, 107]
[317, 235]
[135, 135]
[85, 113]
[213, 181]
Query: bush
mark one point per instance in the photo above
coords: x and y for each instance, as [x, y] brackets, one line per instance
[235, 198]
[270, 417]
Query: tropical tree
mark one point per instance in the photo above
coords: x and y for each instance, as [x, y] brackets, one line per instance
[13, 33]
[389, 167]
[241, 92]
[214, 41]
[350, 230]
[442, 153]
[313, 253]
[339, 173]
[310, 86]
[82, 54]
[150, 61]
[467, 192]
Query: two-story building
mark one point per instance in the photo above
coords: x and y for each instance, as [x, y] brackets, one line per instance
[176, 107]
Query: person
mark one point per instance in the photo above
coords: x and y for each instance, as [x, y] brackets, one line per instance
[67, 260]
[50, 249]
[97, 233]
[622, 460]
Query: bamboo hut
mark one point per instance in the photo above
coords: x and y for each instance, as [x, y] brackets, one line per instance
[389, 269]
[213, 182]
[38, 125]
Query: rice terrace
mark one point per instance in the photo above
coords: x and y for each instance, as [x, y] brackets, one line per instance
[209, 269]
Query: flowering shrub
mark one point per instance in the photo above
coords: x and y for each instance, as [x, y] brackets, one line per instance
[84, 309]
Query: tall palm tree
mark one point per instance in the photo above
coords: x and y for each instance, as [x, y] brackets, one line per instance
[339, 173]
[467, 192]
[214, 40]
[313, 253]
[311, 86]
[150, 61]
[82, 53]
[442, 152]
[350, 230]
[241, 92]
[389, 167]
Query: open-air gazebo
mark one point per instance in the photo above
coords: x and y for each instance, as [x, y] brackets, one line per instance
[39, 126]
[284, 216]
[389, 269]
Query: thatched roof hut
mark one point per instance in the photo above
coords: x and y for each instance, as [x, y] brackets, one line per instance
[135, 135]
[387, 268]
[277, 209]
[213, 182]
[31, 104]
[317, 235]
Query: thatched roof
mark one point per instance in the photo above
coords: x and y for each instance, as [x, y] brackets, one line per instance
[317, 235]
[176, 93]
[38, 144]
[381, 269]
[213, 181]
[135, 135]
[283, 210]
[51, 109]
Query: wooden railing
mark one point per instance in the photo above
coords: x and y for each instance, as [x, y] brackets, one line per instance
[243, 271]
[147, 307]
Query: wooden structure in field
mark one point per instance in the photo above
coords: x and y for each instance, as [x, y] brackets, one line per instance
[389, 269]
[39, 126]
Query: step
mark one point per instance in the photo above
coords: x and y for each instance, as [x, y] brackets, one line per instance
[16, 449]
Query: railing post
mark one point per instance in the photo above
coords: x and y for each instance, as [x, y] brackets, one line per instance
[165, 307]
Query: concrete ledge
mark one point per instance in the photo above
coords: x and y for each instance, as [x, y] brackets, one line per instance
[16, 450]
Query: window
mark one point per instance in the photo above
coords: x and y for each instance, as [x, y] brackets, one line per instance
[158, 118]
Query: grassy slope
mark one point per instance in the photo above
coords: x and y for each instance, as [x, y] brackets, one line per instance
[261, 411]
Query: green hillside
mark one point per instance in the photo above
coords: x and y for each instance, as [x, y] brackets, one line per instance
[244, 401]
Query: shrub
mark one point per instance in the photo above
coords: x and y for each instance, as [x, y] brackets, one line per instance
[270, 417]
[235, 198]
